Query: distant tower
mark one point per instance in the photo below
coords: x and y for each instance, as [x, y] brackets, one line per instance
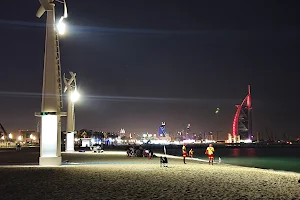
[229, 138]
[210, 136]
[122, 131]
[188, 128]
[249, 108]
[162, 130]
[242, 121]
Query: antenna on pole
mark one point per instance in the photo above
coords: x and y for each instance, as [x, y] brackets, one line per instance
[249, 104]
[248, 89]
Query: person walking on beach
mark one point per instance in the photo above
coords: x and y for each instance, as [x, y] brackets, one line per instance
[184, 153]
[210, 152]
[150, 154]
[191, 153]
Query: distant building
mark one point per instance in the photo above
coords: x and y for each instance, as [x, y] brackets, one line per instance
[86, 142]
[229, 140]
[242, 121]
[162, 130]
[28, 136]
[210, 136]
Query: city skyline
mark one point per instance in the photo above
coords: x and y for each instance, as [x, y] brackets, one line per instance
[139, 69]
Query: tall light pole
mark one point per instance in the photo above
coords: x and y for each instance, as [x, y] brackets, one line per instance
[50, 145]
[73, 95]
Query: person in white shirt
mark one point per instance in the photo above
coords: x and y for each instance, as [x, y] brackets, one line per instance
[184, 153]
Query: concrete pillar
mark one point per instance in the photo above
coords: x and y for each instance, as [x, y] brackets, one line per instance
[50, 138]
[70, 123]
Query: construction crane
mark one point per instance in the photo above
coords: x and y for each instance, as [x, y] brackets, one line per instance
[4, 131]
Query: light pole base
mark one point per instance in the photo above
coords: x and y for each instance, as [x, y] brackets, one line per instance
[50, 161]
[70, 142]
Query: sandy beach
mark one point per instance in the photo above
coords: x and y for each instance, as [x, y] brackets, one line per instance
[112, 175]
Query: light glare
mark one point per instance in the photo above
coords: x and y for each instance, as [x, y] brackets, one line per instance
[75, 96]
[61, 27]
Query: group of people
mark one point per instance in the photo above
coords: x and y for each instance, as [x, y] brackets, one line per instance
[133, 151]
[209, 152]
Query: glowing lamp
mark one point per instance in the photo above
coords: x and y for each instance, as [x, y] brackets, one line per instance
[74, 96]
[61, 27]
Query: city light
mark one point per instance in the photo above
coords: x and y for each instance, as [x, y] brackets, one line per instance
[209, 141]
[246, 141]
[2, 138]
[10, 136]
[32, 137]
[189, 141]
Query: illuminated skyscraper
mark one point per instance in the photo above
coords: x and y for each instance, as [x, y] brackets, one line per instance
[162, 130]
[242, 121]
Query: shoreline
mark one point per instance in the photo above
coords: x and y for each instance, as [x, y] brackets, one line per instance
[259, 163]
[222, 163]
[175, 146]
[123, 153]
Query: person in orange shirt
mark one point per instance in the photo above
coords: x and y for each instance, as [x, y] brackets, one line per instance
[210, 152]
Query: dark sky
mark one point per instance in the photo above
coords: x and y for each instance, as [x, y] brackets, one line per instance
[142, 62]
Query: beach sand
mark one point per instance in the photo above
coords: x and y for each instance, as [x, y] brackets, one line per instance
[112, 175]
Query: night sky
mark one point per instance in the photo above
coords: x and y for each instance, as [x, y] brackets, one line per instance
[139, 63]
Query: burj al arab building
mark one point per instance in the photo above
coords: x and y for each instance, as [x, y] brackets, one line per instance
[242, 121]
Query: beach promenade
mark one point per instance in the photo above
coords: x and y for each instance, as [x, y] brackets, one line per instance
[113, 175]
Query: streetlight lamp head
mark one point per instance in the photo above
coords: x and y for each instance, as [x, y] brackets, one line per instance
[75, 96]
[61, 27]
